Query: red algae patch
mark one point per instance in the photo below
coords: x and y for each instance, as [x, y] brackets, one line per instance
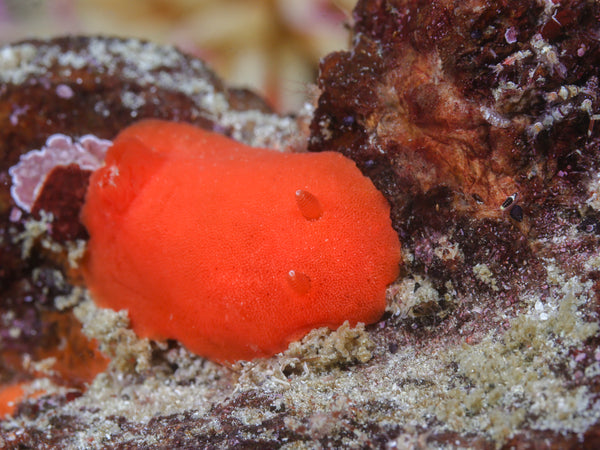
[232, 250]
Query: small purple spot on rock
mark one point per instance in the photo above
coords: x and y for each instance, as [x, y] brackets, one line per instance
[510, 35]
[64, 91]
[15, 215]
[16, 112]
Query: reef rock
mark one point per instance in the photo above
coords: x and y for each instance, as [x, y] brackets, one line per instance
[477, 120]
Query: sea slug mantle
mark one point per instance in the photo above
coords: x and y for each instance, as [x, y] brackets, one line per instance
[232, 250]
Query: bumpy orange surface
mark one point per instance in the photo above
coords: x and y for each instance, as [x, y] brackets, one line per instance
[10, 395]
[232, 250]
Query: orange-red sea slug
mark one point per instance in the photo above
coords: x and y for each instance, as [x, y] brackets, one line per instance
[232, 250]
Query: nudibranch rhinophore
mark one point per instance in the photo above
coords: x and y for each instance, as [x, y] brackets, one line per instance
[232, 250]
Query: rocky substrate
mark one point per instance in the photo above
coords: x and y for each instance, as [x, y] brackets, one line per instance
[477, 120]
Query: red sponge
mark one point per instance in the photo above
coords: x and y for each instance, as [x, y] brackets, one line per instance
[232, 250]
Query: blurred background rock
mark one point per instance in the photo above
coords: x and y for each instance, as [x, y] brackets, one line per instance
[271, 46]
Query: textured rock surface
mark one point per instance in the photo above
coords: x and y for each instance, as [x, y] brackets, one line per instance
[491, 338]
[478, 123]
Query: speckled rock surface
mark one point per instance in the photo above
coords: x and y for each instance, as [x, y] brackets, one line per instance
[476, 120]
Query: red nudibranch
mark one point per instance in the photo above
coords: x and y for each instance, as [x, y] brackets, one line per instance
[234, 251]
